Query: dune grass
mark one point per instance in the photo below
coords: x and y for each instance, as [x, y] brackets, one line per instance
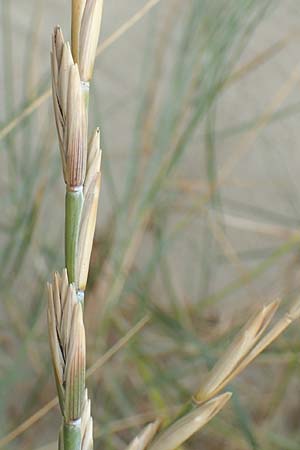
[158, 212]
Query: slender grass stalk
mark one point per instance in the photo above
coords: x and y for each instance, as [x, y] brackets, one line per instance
[74, 201]
[72, 69]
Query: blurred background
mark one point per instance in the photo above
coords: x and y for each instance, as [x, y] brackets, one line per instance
[198, 103]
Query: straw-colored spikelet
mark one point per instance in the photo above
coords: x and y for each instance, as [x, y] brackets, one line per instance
[67, 343]
[86, 424]
[69, 110]
[89, 212]
[86, 23]
[245, 348]
[142, 441]
[77, 13]
[184, 428]
[237, 351]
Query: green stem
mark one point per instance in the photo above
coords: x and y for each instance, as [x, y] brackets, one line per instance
[72, 436]
[74, 201]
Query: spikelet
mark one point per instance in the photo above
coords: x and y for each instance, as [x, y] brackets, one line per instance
[93, 159]
[69, 111]
[86, 424]
[77, 13]
[252, 341]
[276, 330]
[223, 371]
[67, 343]
[75, 368]
[89, 212]
[86, 24]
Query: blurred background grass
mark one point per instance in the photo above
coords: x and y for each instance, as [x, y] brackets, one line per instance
[198, 105]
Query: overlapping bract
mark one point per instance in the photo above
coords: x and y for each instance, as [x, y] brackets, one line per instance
[86, 23]
[69, 110]
[91, 191]
[67, 343]
[251, 341]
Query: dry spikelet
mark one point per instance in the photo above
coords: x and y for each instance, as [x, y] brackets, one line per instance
[65, 326]
[186, 426]
[77, 12]
[89, 212]
[86, 424]
[86, 233]
[56, 354]
[87, 439]
[76, 132]
[89, 35]
[146, 436]
[86, 24]
[86, 412]
[67, 344]
[278, 328]
[230, 362]
[93, 159]
[69, 111]
[75, 368]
